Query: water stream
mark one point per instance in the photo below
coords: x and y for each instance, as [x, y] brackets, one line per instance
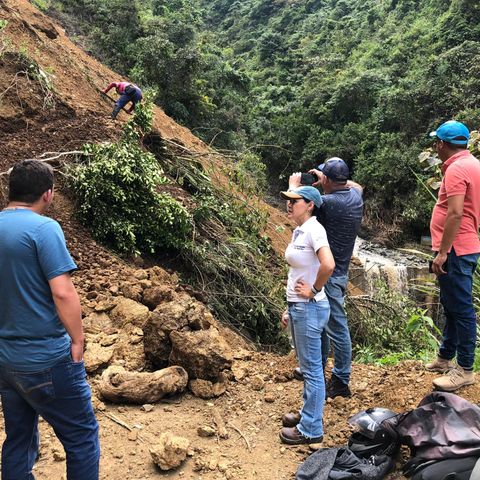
[373, 264]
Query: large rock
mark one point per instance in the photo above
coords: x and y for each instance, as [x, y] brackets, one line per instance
[129, 350]
[97, 323]
[153, 296]
[203, 354]
[128, 311]
[181, 314]
[132, 290]
[118, 385]
[159, 276]
[96, 356]
[170, 451]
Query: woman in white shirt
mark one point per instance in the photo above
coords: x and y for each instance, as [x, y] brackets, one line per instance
[311, 264]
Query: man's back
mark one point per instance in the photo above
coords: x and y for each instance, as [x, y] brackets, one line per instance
[32, 252]
[341, 215]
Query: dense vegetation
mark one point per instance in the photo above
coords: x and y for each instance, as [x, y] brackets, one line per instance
[125, 195]
[362, 79]
[294, 82]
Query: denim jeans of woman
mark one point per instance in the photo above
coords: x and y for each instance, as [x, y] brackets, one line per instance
[61, 395]
[460, 331]
[307, 321]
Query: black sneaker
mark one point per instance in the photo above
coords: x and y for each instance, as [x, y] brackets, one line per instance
[336, 388]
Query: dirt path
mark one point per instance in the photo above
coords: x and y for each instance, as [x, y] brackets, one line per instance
[256, 453]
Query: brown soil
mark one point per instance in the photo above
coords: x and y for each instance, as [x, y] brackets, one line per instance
[79, 114]
[253, 450]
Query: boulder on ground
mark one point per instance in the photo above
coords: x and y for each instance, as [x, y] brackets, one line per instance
[170, 451]
[118, 385]
[129, 350]
[132, 290]
[128, 311]
[206, 389]
[153, 296]
[203, 354]
[159, 276]
[96, 356]
[97, 323]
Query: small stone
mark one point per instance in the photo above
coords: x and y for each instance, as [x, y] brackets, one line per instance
[147, 407]
[257, 383]
[58, 455]
[205, 431]
[269, 397]
[132, 435]
[170, 451]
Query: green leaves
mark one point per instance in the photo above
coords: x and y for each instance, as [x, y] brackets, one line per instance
[118, 198]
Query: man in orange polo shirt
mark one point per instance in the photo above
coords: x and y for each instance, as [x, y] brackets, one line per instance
[454, 230]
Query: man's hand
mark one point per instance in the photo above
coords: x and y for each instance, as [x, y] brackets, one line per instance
[77, 352]
[303, 289]
[437, 264]
[294, 180]
[284, 320]
[319, 175]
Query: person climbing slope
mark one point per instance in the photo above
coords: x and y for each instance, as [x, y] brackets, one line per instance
[128, 93]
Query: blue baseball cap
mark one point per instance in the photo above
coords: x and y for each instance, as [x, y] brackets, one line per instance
[335, 169]
[310, 194]
[452, 132]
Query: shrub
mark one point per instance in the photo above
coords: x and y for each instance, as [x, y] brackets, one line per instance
[116, 190]
[390, 328]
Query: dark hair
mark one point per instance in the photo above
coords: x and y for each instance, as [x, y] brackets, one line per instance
[29, 180]
[316, 211]
[456, 146]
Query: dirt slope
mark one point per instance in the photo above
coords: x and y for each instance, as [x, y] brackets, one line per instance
[35, 119]
[29, 127]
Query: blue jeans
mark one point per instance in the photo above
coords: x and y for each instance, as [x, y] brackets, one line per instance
[337, 329]
[61, 395]
[307, 321]
[133, 97]
[460, 331]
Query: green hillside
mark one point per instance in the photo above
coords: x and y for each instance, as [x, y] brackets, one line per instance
[303, 80]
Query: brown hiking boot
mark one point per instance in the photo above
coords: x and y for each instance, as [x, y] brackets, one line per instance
[454, 379]
[440, 365]
[291, 419]
[291, 436]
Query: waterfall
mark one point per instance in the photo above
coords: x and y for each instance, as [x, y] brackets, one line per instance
[374, 264]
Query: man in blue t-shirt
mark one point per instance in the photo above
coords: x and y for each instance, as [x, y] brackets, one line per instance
[41, 334]
[341, 215]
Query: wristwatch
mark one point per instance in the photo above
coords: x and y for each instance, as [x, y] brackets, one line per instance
[314, 290]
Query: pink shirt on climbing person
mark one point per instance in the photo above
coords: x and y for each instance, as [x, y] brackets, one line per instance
[461, 176]
[119, 87]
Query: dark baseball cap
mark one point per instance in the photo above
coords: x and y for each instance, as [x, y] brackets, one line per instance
[452, 132]
[335, 169]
